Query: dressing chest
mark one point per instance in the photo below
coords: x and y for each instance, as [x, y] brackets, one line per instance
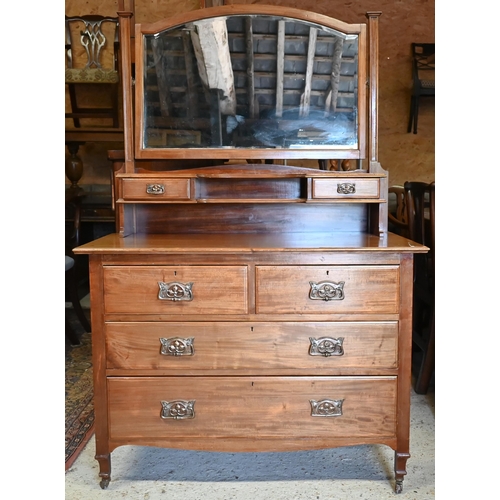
[252, 298]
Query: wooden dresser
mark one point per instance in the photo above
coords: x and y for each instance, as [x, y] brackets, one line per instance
[250, 306]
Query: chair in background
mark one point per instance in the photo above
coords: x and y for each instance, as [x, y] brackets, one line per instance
[420, 198]
[74, 202]
[92, 62]
[398, 218]
[423, 74]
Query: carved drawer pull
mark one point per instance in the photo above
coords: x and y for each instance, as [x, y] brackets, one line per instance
[155, 189]
[326, 290]
[177, 346]
[346, 188]
[175, 291]
[177, 410]
[326, 346]
[326, 407]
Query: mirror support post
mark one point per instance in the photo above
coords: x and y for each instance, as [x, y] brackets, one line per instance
[126, 78]
[373, 54]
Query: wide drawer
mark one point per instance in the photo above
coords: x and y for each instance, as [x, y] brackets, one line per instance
[252, 346]
[345, 188]
[258, 407]
[327, 289]
[175, 289]
[155, 189]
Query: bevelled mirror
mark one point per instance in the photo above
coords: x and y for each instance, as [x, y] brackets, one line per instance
[258, 85]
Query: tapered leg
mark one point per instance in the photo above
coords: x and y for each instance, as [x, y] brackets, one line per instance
[412, 113]
[416, 106]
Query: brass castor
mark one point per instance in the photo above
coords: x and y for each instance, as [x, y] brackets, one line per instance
[104, 483]
[399, 486]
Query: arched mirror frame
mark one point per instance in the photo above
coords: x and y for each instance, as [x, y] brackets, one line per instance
[366, 104]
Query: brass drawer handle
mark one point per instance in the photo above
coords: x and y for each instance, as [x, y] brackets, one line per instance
[177, 410]
[177, 346]
[326, 346]
[326, 408]
[326, 290]
[155, 189]
[346, 188]
[175, 291]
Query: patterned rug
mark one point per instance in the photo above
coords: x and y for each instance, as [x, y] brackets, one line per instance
[79, 396]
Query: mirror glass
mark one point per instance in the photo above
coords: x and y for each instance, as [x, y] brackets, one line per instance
[248, 81]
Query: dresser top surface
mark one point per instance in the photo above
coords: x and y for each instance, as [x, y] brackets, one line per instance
[249, 242]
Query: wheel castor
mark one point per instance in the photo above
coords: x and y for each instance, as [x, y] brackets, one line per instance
[104, 483]
[399, 486]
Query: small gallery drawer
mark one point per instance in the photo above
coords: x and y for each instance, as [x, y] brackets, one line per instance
[327, 289]
[155, 189]
[205, 346]
[345, 188]
[264, 407]
[175, 289]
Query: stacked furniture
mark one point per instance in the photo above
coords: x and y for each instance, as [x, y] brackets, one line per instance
[93, 115]
[249, 305]
[421, 209]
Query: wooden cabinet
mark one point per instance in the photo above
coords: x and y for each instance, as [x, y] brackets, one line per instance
[250, 306]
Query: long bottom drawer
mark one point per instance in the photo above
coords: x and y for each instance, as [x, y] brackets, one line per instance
[242, 407]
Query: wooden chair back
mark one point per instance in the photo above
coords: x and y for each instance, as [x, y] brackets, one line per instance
[398, 219]
[424, 79]
[420, 199]
[423, 69]
[91, 52]
[417, 199]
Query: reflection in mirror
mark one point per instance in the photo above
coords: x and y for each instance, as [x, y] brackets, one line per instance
[251, 82]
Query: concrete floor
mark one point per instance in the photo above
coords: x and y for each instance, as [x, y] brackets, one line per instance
[360, 472]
